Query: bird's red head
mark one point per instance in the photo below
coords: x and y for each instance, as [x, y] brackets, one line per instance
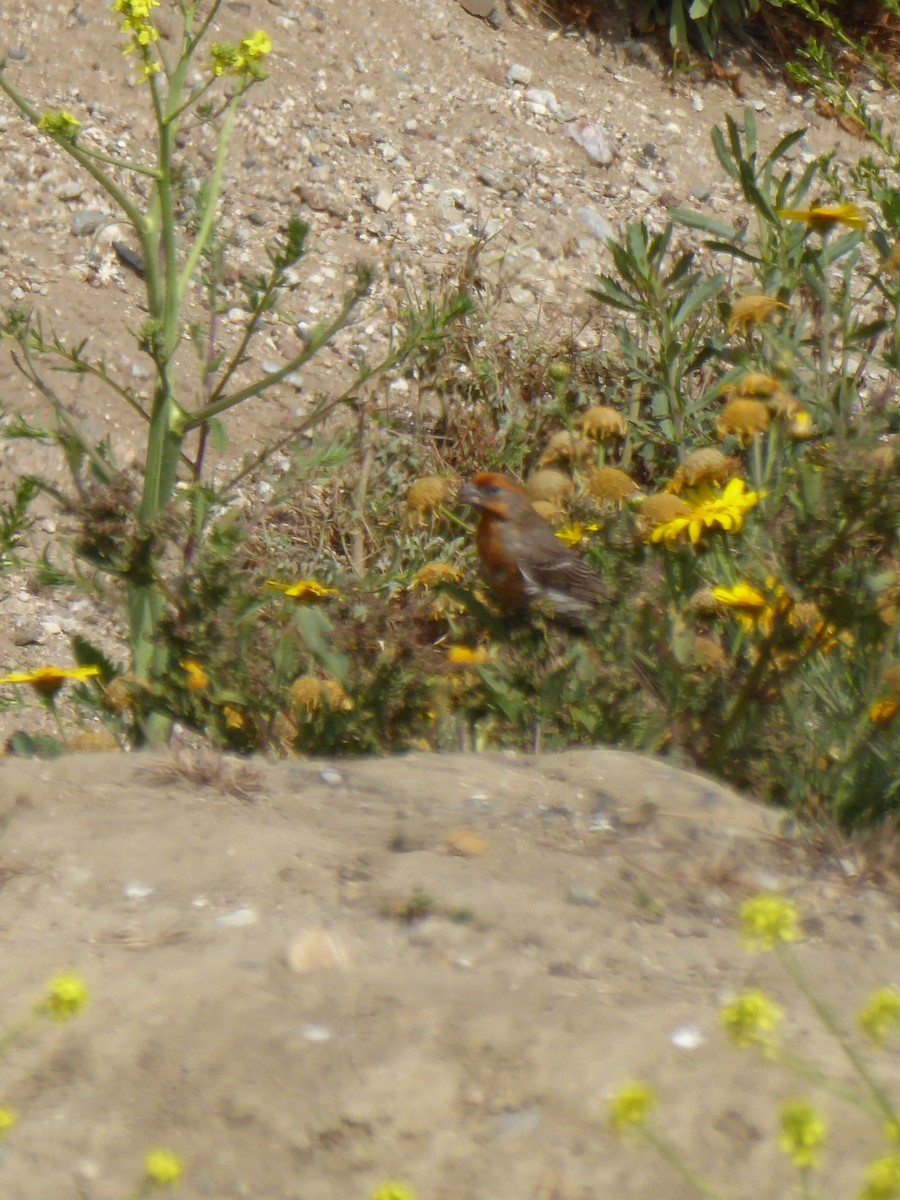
[493, 493]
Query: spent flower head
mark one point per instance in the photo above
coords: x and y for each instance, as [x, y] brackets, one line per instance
[162, 1167]
[802, 1132]
[630, 1104]
[751, 1019]
[880, 1015]
[65, 997]
[767, 919]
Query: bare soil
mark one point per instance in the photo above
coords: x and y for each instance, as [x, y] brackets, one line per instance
[308, 978]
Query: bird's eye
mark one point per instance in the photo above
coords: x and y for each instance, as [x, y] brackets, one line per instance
[493, 490]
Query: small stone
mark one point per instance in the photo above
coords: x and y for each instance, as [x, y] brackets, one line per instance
[316, 950]
[239, 918]
[331, 777]
[86, 222]
[595, 223]
[26, 634]
[72, 189]
[18, 55]
[465, 843]
[137, 891]
[384, 200]
[317, 1033]
[687, 1037]
[696, 102]
[540, 101]
[584, 895]
[517, 1124]
[518, 73]
[596, 142]
[478, 8]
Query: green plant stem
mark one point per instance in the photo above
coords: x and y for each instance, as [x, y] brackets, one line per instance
[81, 156]
[15, 1032]
[879, 1095]
[671, 1155]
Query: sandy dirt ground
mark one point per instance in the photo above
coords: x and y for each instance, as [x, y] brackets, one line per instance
[308, 978]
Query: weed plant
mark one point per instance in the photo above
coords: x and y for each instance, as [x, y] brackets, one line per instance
[727, 463]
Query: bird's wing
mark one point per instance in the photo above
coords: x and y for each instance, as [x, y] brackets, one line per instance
[549, 565]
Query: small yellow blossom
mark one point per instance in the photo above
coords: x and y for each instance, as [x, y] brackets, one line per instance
[162, 1167]
[751, 607]
[751, 310]
[234, 719]
[800, 427]
[60, 124]
[197, 678]
[304, 591]
[256, 45]
[884, 710]
[802, 1133]
[630, 1105]
[821, 217]
[767, 919]
[242, 59]
[393, 1191]
[47, 681]
[466, 656]
[65, 997]
[8, 1118]
[571, 535]
[743, 418]
[880, 1015]
[603, 423]
[751, 1019]
[882, 1179]
[137, 22]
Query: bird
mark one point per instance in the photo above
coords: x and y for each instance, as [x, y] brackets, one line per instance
[521, 557]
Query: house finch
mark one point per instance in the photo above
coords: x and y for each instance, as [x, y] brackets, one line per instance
[521, 557]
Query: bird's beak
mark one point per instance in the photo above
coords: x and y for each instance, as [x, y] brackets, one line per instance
[469, 494]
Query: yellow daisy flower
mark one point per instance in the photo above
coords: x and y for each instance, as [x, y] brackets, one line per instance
[304, 591]
[768, 919]
[65, 997]
[821, 217]
[47, 681]
[466, 656]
